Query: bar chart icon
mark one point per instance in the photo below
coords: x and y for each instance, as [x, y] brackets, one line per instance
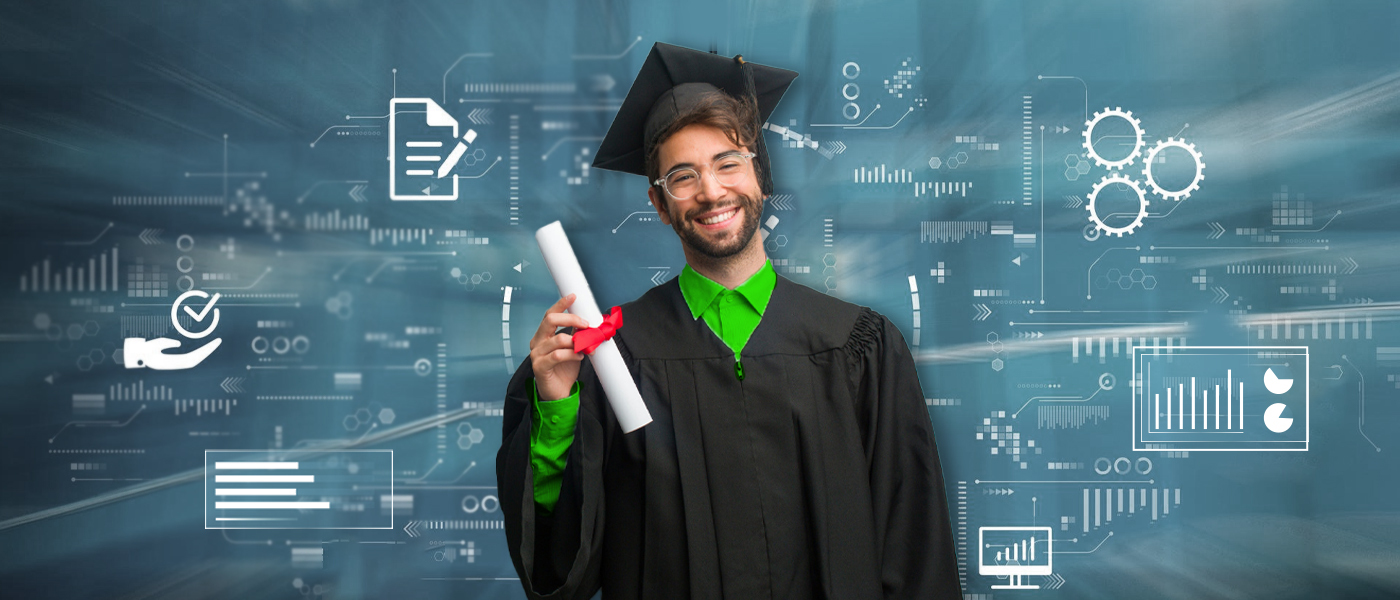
[252, 489]
[1221, 398]
[1014, 552]
[46, 276]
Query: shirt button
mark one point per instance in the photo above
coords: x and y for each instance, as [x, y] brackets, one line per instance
[554, 419]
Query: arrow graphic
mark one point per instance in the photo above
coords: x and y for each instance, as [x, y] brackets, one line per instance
[357, 193]
[150, 236]
[1216, 230]
[480, 116]
[831, 149]
[232, 385]
[982, 312]
[781, 201]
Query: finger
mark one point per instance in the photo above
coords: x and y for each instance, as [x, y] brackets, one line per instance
[562, 304]
[555, 350]
[564, 355]
[566, 320]
[552, 343]
[551, 323]
[557, 307]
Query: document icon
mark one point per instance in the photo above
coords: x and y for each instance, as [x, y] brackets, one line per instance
[299, 489]
[419, 129]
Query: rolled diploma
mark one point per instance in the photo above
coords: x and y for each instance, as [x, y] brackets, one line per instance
[612, 371]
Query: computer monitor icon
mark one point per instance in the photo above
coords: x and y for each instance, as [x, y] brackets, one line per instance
[1014, 552]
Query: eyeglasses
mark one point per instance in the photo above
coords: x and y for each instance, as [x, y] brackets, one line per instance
[728, 171]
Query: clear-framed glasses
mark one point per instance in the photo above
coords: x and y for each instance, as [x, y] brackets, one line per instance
[728, 170]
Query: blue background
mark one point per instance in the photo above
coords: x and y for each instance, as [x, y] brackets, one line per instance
[101, 102]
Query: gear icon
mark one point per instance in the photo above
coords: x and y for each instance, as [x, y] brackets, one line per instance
[1093, 201]
[1195, 182]
[1138, 143]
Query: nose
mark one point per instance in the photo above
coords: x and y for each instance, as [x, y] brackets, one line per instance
[710, 189]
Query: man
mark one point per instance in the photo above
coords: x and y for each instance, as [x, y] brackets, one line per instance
[790, 453]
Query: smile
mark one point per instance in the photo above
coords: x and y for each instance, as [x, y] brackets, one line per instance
[720, 218]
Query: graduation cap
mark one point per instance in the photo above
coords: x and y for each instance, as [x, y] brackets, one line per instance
[670, 83]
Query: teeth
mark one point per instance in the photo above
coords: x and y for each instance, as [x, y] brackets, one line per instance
[718, 218]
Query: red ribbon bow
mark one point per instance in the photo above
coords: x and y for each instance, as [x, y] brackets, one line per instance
[587, 340]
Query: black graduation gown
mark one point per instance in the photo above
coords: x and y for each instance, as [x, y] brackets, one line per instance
[816, 476]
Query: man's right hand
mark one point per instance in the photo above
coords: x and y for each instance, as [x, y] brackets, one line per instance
[552, 355]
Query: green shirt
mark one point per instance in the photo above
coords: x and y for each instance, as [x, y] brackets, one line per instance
[731, 314]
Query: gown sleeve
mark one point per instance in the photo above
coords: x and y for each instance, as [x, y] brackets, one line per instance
[557, 555]
[912, 523]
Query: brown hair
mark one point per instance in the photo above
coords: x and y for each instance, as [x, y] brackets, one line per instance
[737, 118]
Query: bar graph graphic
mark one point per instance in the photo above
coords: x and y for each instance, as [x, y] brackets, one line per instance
[881, 174]
[139, 391]
[1014, 552]
[334, 221]
[1221, 398]
[98, 274]
[260, 489]
[1099, 507]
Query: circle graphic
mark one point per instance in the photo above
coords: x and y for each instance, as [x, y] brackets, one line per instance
[175, 320]
[1097, 220]
[1107, 381]
[1102, 466]
[1274, 419]
[1195, 181]
[1137, 138]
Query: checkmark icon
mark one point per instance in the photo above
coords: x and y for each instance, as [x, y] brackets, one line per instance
[199, 316]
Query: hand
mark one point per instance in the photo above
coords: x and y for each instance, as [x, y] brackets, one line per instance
[552, 355]
[141, 352]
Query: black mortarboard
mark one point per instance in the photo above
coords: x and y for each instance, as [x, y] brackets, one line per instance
[669, 83]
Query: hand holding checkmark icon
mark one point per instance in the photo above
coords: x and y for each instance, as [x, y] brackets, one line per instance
[140, 352]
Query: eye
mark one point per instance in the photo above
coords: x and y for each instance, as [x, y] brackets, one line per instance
[681, 177]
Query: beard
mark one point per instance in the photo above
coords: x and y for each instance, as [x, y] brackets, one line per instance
[694, 238]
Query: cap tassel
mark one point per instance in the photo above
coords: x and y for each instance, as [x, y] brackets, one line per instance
[760, 148]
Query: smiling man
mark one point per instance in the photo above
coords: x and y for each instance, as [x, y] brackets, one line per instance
[790, 453]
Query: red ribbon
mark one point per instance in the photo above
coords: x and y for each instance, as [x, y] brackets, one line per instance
[587, 340]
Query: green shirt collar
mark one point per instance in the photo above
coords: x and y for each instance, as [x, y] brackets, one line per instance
[700, 291]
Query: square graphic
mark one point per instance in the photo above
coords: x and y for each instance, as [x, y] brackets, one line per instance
[1221, 398]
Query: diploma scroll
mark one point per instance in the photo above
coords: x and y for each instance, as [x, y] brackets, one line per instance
[612, 371]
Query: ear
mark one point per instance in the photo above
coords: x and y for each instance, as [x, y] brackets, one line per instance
[659, 203]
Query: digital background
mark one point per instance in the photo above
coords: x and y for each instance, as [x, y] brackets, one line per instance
[931, 163]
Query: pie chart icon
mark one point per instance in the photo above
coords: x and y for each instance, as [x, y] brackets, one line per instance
[1274, 419]
[1275, 385]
